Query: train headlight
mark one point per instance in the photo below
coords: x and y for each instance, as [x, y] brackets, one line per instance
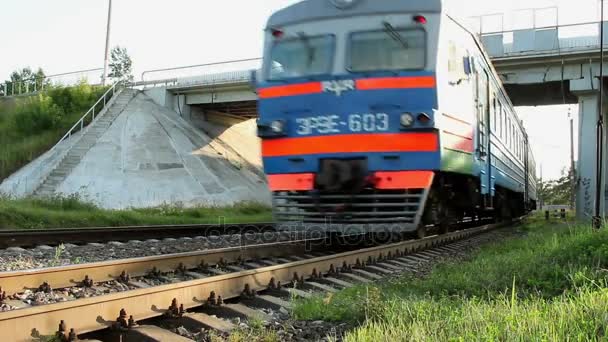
[277, 126]
[407, 120]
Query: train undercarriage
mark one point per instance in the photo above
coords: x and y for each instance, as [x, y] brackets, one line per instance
[350, 206]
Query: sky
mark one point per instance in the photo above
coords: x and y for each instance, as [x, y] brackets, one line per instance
[67, 35]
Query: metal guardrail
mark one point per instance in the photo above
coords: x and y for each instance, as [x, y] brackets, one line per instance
[544, 40]
[79, 126]
[37, 84]
[203, 74]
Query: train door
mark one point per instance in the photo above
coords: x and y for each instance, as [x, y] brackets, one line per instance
[483, 135]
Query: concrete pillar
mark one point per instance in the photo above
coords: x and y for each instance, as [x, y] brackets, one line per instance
[587, 159]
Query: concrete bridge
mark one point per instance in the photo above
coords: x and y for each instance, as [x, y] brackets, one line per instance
[539, 66]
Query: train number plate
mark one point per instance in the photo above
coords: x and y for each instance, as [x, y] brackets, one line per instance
[335, 124]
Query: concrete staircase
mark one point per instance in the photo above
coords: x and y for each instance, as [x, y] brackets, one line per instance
[84, 143]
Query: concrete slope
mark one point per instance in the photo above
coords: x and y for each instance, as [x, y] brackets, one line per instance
[149, 156]
[240, 138]
[83, 144]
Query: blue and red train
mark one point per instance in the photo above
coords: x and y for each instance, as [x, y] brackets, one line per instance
[386, 114]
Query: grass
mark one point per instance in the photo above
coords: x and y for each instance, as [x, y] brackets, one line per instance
[549, 285]
[71, 212]
[30, 126]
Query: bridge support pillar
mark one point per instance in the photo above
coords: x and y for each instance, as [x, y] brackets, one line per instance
[587, 158]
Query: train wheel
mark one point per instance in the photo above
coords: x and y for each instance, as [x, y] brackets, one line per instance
[421, 231]
[444, 227]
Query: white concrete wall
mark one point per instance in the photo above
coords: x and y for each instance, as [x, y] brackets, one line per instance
[150, 157]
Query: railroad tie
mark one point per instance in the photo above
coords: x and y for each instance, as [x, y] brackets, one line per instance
[298, 293]
[153, 333]
[274, 301]
[235, 268]
[379, 269]
[367, 274]
[138, 284]
[389, 266]
[356, 278]
[338, 282]
[245, 311]
[403, 265]
[321, 287]
[210, 322]
[195, 275]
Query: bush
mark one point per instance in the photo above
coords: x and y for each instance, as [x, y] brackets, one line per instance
[30, 126]
[37, 114]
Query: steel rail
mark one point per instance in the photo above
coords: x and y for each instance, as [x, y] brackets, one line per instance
[30, 238]
[97, 313]
[67, 276]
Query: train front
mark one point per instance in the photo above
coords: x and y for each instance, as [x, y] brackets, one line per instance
[347, 97]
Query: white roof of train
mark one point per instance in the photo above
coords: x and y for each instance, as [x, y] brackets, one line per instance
[309, 10]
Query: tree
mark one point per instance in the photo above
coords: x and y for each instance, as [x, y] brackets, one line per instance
[558, 191]
[24, 80]
[121, 65]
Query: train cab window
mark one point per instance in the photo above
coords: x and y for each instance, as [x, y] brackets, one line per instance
[301, 56]
[390, 49]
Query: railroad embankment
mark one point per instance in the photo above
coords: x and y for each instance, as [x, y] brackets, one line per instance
[145, 155]
[70, 212]
[547, 282]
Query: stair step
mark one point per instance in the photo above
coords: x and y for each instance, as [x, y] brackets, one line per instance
[52, 177]
[72, 156]
[60, 172]
[81, 148]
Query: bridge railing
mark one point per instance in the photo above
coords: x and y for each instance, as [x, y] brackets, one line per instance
[545, 40]
[210, 73]
[37, 84]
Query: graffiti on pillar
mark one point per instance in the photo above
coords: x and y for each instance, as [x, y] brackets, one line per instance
[587, 197]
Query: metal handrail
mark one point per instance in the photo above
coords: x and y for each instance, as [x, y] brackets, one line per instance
[32, 182]
[541, 28]
[199, 65]
[570, 38]
[91, 111]
[17, 87]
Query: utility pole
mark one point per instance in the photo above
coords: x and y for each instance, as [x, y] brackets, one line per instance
[572, 166]
[597, 218]
[542, 189]
[106, 60]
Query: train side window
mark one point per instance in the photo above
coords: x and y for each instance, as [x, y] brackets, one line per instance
[492, 106]
[509, 138]
[505, 134]
[500, 124]
[512, 135]
[496, 114]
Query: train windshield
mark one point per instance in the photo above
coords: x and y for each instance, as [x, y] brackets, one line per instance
[302, 56]
[390, 49]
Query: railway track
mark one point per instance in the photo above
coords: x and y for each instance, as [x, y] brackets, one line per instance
[207, 278]
[31, 238]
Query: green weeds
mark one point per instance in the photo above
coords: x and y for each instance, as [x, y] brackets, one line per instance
[70, 212]
[548, 285]
[31, 125]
